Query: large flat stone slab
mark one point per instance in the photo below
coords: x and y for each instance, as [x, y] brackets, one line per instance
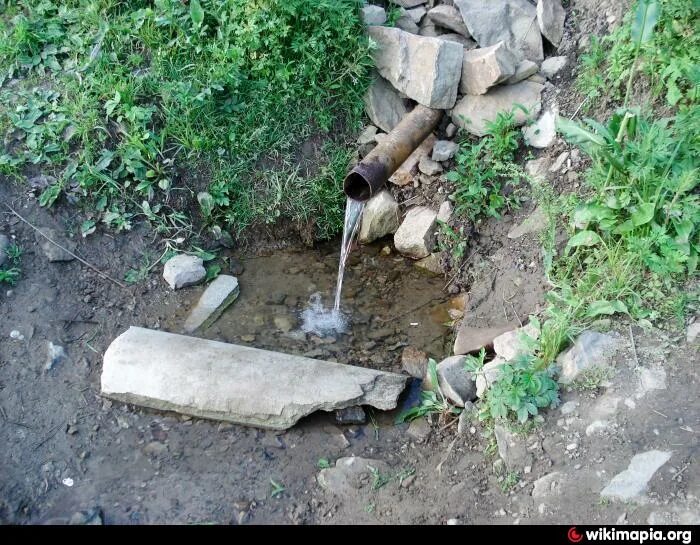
[235, 383]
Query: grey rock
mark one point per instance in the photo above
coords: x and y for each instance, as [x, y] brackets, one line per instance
[373, 15]
[234, 383]
[51, 251]
[367, 136]
[424, 69]
[489, 374]
[416, 14]
[445, 212]
[415, 237]
[419, 430]
[380, 217]
[4, 245]
[284, 322]
[473, 113]
[351, 415]
[431, 30]
[414, 362]
[406, 23]
[559, 162]
[548, 485]
[450, 18]
[451, 130]
[524, 69]
[444, 150]
[692, 332]
[350, 475]
[569, 407]
[534, 223]
[184, 270]
[513, 343]
[485, 67]
[537, 78]
[429, 167]
[597, 426]
[510, 21]
[408, 3]
[511, 448]
[542, 133]
[551, 66]
[456, 383]
[651, 379]
[472, 339]
[216, 298]
[550, 18]
[537, 168]
[467, 43]
[631, 483]
[383, 104]
[55, 355]
[591, 349]
[91, 517]
[465, 418]
[431, 265]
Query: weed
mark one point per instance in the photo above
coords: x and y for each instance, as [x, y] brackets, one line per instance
[453, 241]
[592, 379]
[277, 488]
[432, 401]
[509, 481]
[10, 272]
[323, 463]
[378, 479]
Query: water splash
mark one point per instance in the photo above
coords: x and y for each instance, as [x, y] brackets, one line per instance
[353, 214]
[320, 320]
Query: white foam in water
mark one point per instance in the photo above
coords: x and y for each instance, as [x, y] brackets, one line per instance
[321, 320]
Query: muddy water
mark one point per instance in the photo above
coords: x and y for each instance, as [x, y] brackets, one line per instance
[389, 304]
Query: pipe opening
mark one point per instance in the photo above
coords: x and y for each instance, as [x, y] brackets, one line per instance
[357, 187]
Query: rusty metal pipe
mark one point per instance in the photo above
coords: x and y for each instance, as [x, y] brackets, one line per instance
[370, 174]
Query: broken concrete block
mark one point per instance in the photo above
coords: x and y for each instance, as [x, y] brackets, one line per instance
[550, 18]
[448, 17]
[379, 218]
[424, 69]
[383, 104]
[238, 384]
[216, 298]
[510, 21]
[415, 237]
[409, 168]
[485, 67]
[184, 270]
[473, 113]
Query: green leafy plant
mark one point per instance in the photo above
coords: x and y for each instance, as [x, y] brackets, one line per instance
[277, 488]
[453, 241]
[10, 271]
[431, 401]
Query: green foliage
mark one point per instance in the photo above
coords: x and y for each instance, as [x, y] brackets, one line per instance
[10, 271]
[509, 481]
[134, 96]
[659, 38]
[432, 400]
[484, 168]
[454, 241]
[276, 488]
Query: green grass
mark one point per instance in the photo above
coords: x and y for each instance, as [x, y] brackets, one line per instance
[10, 271]
[150, 110]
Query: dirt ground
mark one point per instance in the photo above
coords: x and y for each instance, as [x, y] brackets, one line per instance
[64, 449]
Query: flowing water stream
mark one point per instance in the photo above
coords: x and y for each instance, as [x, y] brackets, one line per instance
[353, 214]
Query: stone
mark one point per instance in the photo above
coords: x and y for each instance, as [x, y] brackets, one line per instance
[408, 169]
[456, 383]
[414, 362]
[597, 426]
[415, 237]
[419, 430]
[542, 133]
[537, 168]
[368, 135]
[51, 251]
[511, 344]
[408, 3]
[692, 332]
[4, 246]
[383, 104]
[55, 355]
[559, 162]
[350, 475]
[534, 223]
[284, 323]
[568, 408]
[472, 339]
[444, 150]
[485, 67]
[473, 113]
[510, 21]
[466, 43]
[631, 483]
[511, 448]
[445, 212]
[551, 66]
[380, 217]
[91, 517]
[429, 167]
[451, 130]
[155, 448]
[536, 78]
[489, 374]
[184, 270]
[550, 18]
[416, 14]
[431, 265]
[216, 298]
[464, 424]
[548, 485]
[524, 69]
[238, 384]
[651, 379]
[373, 15]
[448, 17]
[406, 23]
[591, 349]
[351, 415]
[426, 70]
